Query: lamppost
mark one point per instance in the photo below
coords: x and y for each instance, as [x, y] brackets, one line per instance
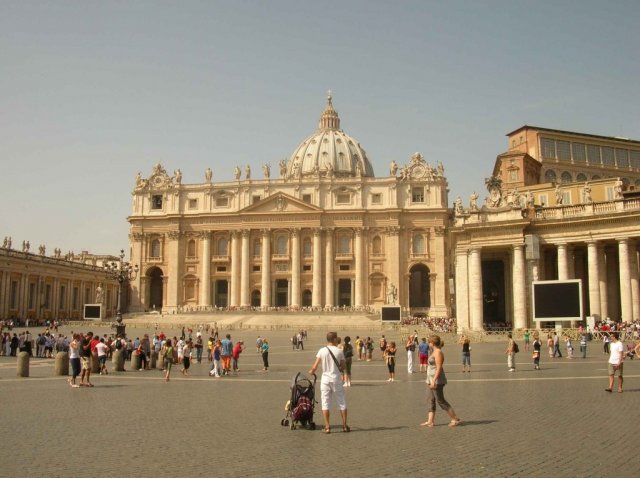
[120, 271]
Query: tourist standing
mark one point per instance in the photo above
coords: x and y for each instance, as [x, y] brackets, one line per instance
[167, 353]
[556, 346]
[606, 341]
[569, 348]
[550, 345]
[265, 354]
[382, 343]
[186, 356]
[526, 339]
[74, 360]
[436, 380]
[423, 354]
[235, 354]
[333, 363]
[410, 347]
[227, 349]
[85, 356]
[216, 367]
[390, 358]
[583, 345]
[102, 349]
[357, 343]
[369, 352]
[199, 347]
[616, 351]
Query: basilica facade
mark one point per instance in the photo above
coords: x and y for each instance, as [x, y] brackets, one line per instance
[325, 233]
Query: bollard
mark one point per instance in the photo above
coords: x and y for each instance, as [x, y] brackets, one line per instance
[62, 364]
[161, 360]
[118, 360]
[23, 364]
[136, 361]
[95, 363]
[153, 360]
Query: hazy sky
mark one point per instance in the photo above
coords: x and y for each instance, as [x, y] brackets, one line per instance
[91, 92]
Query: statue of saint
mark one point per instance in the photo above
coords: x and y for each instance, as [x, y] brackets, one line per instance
[266, 170]
[393, 168]
[559, 196]
[530, 200]
[208, 175]
[138, 179]
[236, 172]
[5, 242]
[587, 194]
[473, 201]
[283, 168]
[178, 174]
[247, 172]
[440, 170]
[330, 171]
[457, 206]
[392, 295]
[42, 249]
[617, 189]
[99, 293]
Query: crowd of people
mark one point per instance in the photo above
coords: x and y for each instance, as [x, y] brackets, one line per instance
[443, 325]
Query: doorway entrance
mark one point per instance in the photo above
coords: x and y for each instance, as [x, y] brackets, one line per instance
[156, 286]
[221, 296]
[419, 287]
[344, 292]
[282, 293]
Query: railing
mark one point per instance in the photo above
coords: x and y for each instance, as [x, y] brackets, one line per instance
[607, 207]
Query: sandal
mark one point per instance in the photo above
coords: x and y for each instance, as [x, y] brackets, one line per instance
[346, 429]
[454, 423]
[427, 424]
[326, 430]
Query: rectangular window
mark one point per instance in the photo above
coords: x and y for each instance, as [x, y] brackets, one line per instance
[156, 201]
[609, 192]
[543, 200]
[513, 175]
[343, 198]
[345, 267]
[566, 198]
[256, 269]
[634, 159]
[306, 268]
[306, 198]
[221, 269]
[579, 153]
[593, 154]
[548, 147]
[376, 198]
[255, 199]
[622, 158]
[222, 201]
[607, 156]
[193, 204]
[32, 296]
[563, 149]
[14, 294]
[417, 194]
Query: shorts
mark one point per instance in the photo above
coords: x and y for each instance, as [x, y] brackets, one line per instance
[85, 363]
[424, 359]
[612, 370]
[102, 359]
[329, 390]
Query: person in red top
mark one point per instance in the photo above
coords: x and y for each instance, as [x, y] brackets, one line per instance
[235, 354]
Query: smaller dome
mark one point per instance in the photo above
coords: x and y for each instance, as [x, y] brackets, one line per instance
[329, 151]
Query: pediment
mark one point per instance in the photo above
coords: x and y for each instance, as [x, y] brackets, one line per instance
[280, 203]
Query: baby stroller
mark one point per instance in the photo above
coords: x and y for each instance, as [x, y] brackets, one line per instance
[300, 407]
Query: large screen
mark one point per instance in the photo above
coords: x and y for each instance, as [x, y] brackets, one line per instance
[390, 313]
[92, 312]
[557, 300]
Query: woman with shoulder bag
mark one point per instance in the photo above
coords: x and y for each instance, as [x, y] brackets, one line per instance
[167, 352]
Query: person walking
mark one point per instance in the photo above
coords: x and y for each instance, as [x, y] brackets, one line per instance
[537, 348]
[466, 354]
[436, 380]
[265, 354]
[216, 366]
[235, 355]
[167, 353]
[199, 348]
[333, 363]
[616, 351]
[102, 350]
[390, 358]
[556, 346]
[85, 358]
[347, 350]
[527, 337]
[550, 345]
[569, 344]
[186, 356]
[511, 354]
[227, 350]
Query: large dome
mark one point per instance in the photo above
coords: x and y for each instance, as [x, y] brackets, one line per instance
[329, 151]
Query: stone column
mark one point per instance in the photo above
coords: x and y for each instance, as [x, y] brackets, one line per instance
[563, 264]
[360, 273]
[594, 281]
[316, 294]
[234, 300]
[295, 268]
[626, 306]
[3, 299]
[392, 259]
[265, 269]
[439, 284]
[602, 282]
[519, 288]
[173, 259]
[245, 270]
[205, 279]
[329, 262]
[475, 289]
[635, 290]
[462, 290]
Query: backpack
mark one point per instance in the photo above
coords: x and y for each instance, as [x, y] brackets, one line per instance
[118, 344]
[303, 410]
[515, 348]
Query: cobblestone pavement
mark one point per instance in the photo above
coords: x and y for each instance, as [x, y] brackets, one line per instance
[554, 422]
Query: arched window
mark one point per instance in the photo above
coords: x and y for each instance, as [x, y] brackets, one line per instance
[344, 244]
[222, 247]
[281, 245]
[155, 248]
[595, 177]
[581, 177]
[306, 246]
[566, 177]
[418, 244]
[257, 248]
[191, 248]
[550, 176]
[376, 245]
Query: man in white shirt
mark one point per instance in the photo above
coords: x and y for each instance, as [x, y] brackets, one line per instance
[102, 350]
[616, 350]
[333, 363]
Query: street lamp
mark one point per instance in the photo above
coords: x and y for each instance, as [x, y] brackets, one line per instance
[120, 271]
